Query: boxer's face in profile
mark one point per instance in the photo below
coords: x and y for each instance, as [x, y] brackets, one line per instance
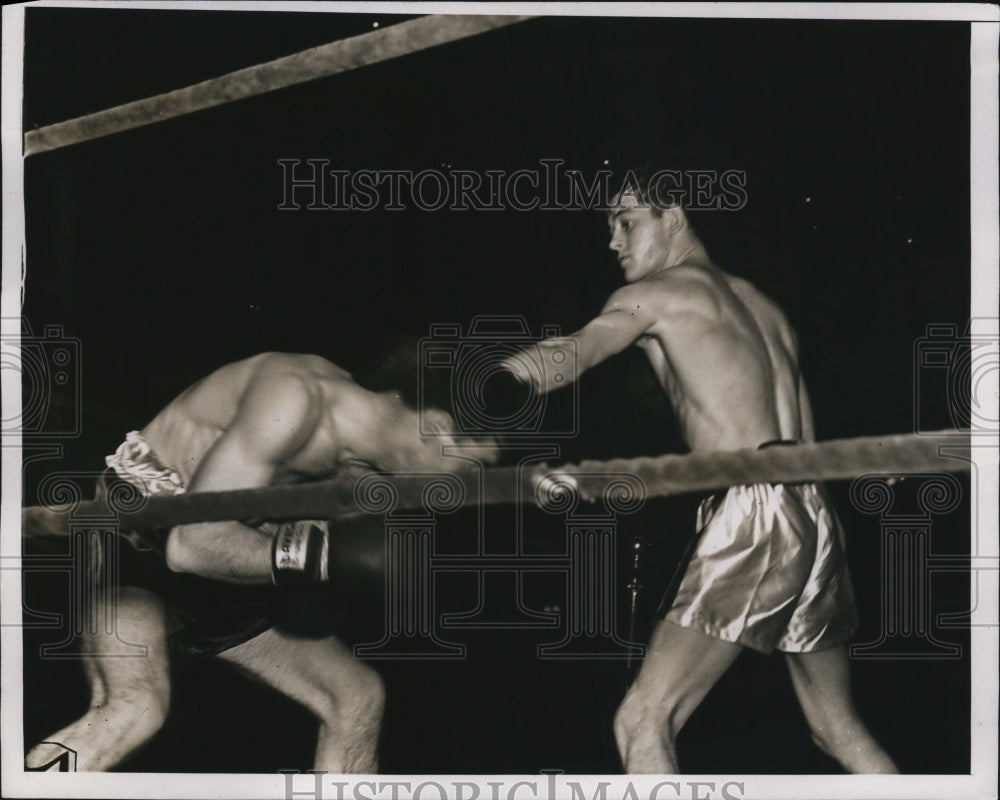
[422, 438]
[440, 431]
[639, 238]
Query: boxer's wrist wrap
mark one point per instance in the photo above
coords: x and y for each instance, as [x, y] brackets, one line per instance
[300, 553]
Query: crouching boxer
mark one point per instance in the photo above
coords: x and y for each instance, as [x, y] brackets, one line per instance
[219, 588]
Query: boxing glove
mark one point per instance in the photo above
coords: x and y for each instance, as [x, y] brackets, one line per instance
[348, 554]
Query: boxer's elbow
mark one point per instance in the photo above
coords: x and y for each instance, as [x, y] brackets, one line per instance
[182, 552]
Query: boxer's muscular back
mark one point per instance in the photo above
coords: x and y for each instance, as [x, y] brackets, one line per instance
[790, 400]
[183, 432]
[727, 358]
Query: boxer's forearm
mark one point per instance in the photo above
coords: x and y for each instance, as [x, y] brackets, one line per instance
[224, 551]
[546, 365]
[553, 363]
[563, 360]
[559, 364]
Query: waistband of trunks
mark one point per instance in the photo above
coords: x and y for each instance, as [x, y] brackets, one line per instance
[135, 462]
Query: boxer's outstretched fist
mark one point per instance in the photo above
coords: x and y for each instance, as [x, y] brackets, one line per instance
[504, 395]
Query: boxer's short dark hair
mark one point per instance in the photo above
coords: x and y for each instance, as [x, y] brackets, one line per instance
[398, 368]
[651, 185]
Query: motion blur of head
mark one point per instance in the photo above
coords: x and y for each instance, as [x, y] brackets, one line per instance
[426, 397]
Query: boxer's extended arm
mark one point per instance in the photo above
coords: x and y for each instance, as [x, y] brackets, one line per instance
[558, 361]
[276, 417]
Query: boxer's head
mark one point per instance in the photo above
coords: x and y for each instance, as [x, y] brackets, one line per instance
[397, 369]
[427, 398]
[647, 225]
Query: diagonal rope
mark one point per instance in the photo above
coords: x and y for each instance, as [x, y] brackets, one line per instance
[662, 476]
[318, 62]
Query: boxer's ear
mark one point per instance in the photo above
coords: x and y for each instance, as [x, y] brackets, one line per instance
[673, 219]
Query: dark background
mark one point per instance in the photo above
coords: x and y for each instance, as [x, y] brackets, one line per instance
[162, 253]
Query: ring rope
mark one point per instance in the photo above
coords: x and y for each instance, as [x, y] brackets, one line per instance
[662, 476]
[317, 62]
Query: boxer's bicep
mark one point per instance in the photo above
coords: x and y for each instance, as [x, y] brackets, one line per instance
[608, 334]
[233, 463]
[274, 419]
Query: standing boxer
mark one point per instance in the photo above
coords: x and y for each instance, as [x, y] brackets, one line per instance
[769, 570]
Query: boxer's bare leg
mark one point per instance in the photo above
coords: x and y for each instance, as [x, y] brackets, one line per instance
[680, 667]
[822, 684]
[345, 695]
[129, 694]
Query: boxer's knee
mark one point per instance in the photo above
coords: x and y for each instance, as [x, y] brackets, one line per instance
[155, 707]
[356, 699]
[137, 713]
[137, 699]
[371, 690]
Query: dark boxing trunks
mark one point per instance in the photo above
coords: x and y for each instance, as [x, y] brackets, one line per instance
[204, 617]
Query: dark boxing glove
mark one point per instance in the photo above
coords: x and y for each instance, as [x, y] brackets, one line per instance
[348, 554]
[357, 561]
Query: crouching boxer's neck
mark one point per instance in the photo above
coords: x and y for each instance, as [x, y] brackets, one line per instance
[405, 440]
[385, 433]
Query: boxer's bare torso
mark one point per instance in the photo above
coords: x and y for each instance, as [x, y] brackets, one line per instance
[725, 356]
[321, 395]
[723, 352]
[280, 418]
